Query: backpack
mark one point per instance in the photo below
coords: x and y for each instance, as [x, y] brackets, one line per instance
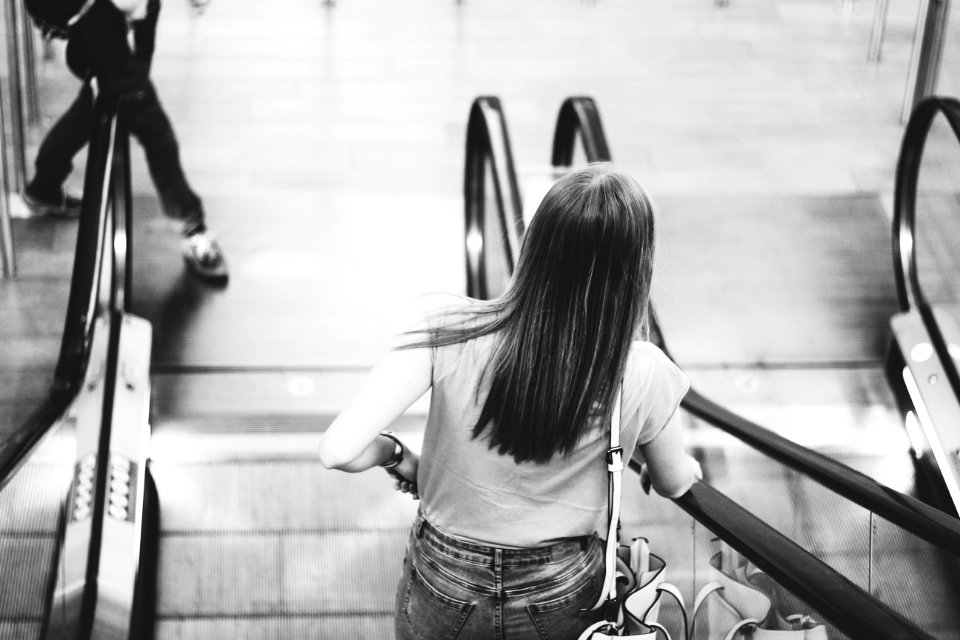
[55, 17]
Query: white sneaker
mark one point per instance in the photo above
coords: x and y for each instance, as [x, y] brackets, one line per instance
[205, 257]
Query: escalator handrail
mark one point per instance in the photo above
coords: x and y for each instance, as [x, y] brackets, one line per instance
[907, 512]
[845, 605]
[909, 292]
[579, 115]
[840, 601]
[929, 523]
[121, 195]
[91, 235]
[84, 284]
[487, 139]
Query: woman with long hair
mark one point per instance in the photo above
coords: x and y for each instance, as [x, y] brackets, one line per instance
[512, 475]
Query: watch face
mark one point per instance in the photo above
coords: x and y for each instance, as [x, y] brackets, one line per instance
[397, 454]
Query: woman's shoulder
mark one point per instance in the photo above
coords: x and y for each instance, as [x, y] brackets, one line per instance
[647, 360]
[645, 350]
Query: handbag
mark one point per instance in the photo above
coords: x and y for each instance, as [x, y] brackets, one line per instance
[750, 604]
[738, 602]
[731, 604]
[633, 577]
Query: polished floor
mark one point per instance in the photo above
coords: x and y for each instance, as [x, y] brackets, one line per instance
[327, 142]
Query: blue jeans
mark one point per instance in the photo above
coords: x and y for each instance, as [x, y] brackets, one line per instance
[455, 589]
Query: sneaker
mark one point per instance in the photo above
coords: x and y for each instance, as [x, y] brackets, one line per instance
[65, 206]
[205, 257]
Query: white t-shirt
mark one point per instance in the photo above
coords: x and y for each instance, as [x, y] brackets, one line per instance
[471, 491]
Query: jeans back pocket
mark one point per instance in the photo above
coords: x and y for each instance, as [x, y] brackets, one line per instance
[427, 612]
[566, 615]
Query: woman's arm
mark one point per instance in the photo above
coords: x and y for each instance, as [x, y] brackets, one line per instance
[351, 443]
[670, 469]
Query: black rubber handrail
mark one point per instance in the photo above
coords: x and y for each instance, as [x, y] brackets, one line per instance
[841, 602]
[909, 292]
[487, 140]
[578, 118]
[911, 514]
[85, 282]
[118, 213]
[81, 306]
[121, 200]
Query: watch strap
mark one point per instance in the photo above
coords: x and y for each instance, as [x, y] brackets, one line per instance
[397, 454]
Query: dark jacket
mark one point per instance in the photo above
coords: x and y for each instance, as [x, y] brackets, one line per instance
[97, 47]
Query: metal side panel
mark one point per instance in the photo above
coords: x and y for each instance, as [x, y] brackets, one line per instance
[934, 427]
[129, 446]
[86, 411]
[946, 316]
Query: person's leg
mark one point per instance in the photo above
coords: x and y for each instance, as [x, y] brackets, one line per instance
[149, 123]
[54, 160]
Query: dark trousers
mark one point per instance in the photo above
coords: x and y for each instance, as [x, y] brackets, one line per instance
[149, 124]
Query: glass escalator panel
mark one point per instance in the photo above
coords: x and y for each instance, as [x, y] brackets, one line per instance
[908, 574]
[721, 590]
[32, 505]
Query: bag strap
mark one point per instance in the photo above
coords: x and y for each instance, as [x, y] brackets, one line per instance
[84, 10]
[608, 595]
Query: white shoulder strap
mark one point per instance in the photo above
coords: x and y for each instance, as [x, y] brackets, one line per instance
[615, 470]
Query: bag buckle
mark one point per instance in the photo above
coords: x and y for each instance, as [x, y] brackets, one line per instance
[611, 611]
[615, 459]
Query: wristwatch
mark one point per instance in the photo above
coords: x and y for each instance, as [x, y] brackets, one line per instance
[397, 454]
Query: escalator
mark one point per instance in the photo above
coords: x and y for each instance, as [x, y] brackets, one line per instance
[922, 363]
[896, 547]
[73, 479]
[251, 538]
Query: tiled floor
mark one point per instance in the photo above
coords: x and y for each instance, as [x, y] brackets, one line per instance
[308, 126]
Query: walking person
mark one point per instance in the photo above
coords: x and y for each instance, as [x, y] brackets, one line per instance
[512, 476]
[110, 47]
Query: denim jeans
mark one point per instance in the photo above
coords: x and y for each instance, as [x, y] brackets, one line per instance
[149, 124]
[456, 589]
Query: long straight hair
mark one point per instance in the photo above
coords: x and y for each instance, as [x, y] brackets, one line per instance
[563, 328]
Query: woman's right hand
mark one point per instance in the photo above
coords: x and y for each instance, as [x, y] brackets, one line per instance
[405, 473]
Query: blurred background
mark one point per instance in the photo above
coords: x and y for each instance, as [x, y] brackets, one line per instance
[327, 141]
